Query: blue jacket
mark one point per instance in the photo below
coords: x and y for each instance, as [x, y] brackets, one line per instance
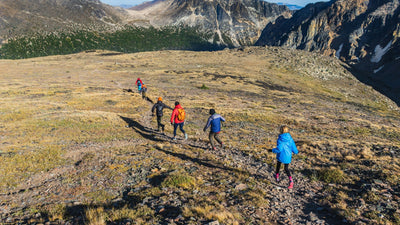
[285, 146]
[215, 122]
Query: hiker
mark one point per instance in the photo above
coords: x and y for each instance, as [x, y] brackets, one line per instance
[143, 91]
[215, 122]
[139, 84]
[284, 149]
[178, 119]
[159, 106]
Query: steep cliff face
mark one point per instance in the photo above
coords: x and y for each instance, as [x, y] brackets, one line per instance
[363, 33]
[27, 16]
[241, 20]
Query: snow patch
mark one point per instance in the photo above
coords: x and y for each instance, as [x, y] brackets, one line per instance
[338, 51]
[380, 52]
[379, 69]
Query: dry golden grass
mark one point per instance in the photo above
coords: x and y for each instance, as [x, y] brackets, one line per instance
[64, 118]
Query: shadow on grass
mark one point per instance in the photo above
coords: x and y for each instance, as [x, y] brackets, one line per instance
[145, 132]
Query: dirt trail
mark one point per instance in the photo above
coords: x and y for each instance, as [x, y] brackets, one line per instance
[296, 206]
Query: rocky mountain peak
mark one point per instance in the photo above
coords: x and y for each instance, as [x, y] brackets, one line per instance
[241, 20]
[362, 33]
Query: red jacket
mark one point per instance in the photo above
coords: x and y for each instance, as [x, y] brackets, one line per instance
[174, 116]
[139, 81]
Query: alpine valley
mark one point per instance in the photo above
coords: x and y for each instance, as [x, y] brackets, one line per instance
[79, 144]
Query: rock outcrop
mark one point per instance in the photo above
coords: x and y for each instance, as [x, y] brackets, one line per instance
[241, 20]
[362, 33]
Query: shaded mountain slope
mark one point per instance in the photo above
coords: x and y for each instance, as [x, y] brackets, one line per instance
[360, 32]
[20, 17]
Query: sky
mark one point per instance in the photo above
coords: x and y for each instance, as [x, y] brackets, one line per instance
[136, 2]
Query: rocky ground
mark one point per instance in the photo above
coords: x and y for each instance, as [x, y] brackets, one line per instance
[79, 146]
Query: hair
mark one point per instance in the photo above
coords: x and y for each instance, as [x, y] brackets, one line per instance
[176, 103]
[212, 111]
[284, 129]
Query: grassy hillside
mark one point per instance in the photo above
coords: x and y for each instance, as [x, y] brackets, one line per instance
[127, 40]
[78, 146]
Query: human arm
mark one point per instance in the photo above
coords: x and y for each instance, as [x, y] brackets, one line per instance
[153, 109]
[165, 106]
[278, 148]
[294, 148]
[174, 113]
[207, 124]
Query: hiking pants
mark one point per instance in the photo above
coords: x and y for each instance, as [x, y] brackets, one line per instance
[213, 136]
[180, 127]
[278, 167]
[159, 124]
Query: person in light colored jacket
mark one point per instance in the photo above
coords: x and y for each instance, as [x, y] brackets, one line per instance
[285, 146]
[215, 122]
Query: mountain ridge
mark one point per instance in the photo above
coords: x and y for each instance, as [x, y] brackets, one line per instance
[361, 33]
[241, 20]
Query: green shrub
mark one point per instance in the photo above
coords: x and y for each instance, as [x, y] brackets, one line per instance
[335, 175]
[179, 181]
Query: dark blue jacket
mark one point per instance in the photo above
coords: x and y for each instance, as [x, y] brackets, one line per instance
[285, 146]
[215, 122]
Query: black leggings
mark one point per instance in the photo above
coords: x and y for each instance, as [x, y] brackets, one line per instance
[278, 167]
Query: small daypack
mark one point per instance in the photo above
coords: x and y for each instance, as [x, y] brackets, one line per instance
[159, 110]
[181, 114]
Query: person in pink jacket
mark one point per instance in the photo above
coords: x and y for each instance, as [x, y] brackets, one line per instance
[177, 120]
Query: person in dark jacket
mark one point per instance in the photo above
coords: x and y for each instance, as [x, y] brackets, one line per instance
[284, 148]
[215, 122]
[158, 108]
[176, 122]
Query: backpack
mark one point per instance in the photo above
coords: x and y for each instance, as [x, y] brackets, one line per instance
[181, 114]
[159, 110]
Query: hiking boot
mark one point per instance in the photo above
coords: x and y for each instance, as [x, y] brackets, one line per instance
[174, 138]
[290, 185]
[277, 177]
[222, 144]
[186, 136]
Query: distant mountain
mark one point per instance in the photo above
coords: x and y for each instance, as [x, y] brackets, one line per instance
[363, 33]
[241, 20]
[125, 6]
[291, 7]
[27, 16]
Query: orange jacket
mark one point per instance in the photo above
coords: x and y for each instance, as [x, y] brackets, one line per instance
[174, 116]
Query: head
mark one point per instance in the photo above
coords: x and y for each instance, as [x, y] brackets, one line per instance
[159, 99]
[284, 129]
[212, 111]
[176, 103]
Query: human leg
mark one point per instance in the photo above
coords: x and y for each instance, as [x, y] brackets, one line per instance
[175, 128]
[159, 123]
[288, 171]
[216, 136]
[211, 137]
[278, 167]
[289, 175]
[181, 128]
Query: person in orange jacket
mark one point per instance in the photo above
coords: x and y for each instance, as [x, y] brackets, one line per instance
[178, 119]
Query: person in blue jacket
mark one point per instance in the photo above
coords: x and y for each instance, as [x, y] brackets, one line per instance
[215, 122]
[284, 149]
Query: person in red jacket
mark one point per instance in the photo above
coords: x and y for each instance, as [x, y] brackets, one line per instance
[177, 120]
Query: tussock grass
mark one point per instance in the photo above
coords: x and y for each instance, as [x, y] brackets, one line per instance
[66, 116]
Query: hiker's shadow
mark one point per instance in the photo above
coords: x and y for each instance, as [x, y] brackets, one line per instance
[145, 132]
